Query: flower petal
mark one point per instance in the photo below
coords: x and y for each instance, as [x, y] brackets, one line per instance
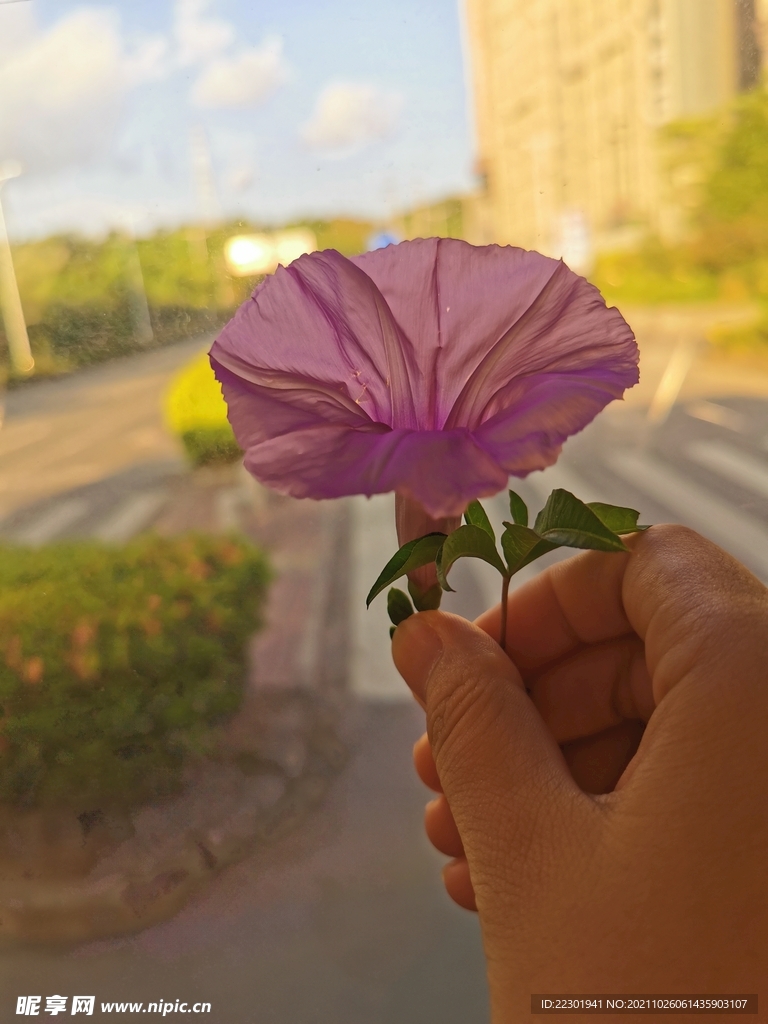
[432, 368]
[567, 331]
[322, 323]
[529, 432]
[258, 413]
[478, 317]
[441, 470]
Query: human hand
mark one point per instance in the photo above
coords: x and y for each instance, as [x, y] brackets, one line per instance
[658, 882]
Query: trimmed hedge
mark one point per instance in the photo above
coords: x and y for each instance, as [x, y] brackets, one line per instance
[116, 664]
[196, 411]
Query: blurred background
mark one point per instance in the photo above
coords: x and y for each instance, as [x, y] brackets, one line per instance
[205, 781]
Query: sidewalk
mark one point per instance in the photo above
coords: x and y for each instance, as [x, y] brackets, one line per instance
[680, 333]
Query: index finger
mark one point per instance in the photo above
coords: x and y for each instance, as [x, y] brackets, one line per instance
[674, 589]
[568, 605]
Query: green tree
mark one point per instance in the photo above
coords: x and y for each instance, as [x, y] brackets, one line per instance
[733, 217]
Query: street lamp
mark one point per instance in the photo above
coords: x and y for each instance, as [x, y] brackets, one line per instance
[10, 300]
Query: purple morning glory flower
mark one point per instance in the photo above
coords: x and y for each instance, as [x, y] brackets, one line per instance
[432, 368]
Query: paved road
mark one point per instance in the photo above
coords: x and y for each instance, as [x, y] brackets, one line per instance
[345, 921]
[72, 449]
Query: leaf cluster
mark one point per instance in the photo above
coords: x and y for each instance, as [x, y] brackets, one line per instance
[117, 663]
[565, 521]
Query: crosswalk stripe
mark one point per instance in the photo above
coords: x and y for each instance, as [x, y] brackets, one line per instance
[545, 481]
[731, 463]
[372, 673]
[53, 522]
[130, 517]
[229, 503]
[745, 537]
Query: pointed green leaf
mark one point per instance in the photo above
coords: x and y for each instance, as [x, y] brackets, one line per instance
[411, 556]
[467, 542]
[399, 607]
[425, 600]
[518, 509]
[568, 522]
[620, 520]
[477, 516]
[522, 546]
[392, 631]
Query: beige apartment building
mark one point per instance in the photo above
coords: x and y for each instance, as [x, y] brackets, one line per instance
[569, 97]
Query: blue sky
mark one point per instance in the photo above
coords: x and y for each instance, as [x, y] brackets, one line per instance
[298, 107]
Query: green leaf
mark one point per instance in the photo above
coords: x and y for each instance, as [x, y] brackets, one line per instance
[411, 556]
[568, 522]
[399, 607]
[392, 631]
[476, 516]
[620, 520]
[518, 509]
[425, 600]
[522, 546]
[467, 542]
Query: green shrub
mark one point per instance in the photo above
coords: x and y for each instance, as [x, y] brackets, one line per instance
[195, 411]
[116, 663]
[652, 275]
[211, 445]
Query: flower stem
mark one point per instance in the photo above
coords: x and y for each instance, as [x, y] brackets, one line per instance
[503, 629]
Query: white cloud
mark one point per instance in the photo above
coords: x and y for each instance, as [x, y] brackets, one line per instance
[64, 88]
[62, 92]
[148, 62]
[229, 78]
[348, 116]
[199, 38]
[17, 28]
[241, 177]
[243, 79]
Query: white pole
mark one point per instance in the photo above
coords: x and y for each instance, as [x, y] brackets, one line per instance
[10, 300]
[137, 292]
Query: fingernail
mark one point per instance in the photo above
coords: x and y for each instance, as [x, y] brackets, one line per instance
[416, 648]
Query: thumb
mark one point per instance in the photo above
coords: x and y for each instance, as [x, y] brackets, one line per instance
[508, 786]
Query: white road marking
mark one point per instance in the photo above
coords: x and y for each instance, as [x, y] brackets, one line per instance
[745, 537]
[229, 502]
[711, 412]
[671, 383]
[562, 476]
[52, 522]
[373, 676]
[13, 440]
[731, 463]
[547, 480]
[130, 517]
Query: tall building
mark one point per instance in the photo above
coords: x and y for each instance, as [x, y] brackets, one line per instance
[569, 97]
